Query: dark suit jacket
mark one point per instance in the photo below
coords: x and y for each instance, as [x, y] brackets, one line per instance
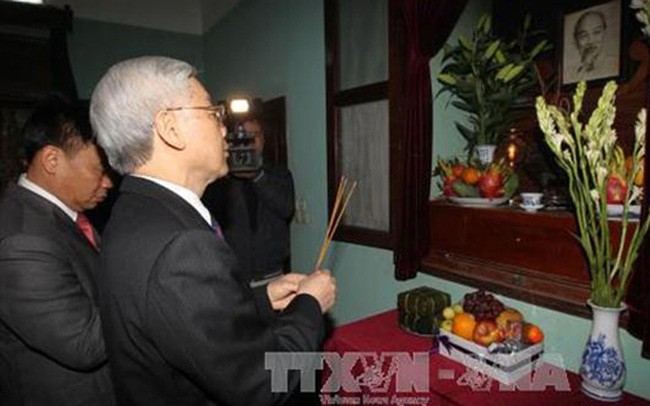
[181, 328]
[51, 345]
[255, 216]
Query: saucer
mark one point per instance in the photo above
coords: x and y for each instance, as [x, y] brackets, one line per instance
[531, 209]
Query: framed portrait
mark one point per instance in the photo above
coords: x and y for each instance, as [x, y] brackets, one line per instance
[591, 43]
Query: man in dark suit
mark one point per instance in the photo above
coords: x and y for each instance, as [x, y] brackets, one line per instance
[51, 346]
[182, 328]
[254, 209]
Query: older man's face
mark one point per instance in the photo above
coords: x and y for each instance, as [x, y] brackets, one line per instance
[589, 39]
[205, 134]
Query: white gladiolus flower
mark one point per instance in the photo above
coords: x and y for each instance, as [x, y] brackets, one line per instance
[601, 175]
[639, 128]
[636, 192]
[592, 157]
[555, 139]
[585, 152]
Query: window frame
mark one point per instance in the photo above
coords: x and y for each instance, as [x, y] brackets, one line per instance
[390, 90]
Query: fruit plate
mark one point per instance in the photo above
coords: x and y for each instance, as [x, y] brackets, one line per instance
[506, 368]
[478, 201]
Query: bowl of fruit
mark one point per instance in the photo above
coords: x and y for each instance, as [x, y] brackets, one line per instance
[486, 336]
[484, 320]
[477, 185]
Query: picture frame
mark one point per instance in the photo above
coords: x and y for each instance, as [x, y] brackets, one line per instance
[592, 43]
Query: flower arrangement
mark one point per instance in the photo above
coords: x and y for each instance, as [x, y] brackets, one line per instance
[584, 152]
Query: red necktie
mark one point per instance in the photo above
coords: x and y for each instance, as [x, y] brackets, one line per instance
[86, 228]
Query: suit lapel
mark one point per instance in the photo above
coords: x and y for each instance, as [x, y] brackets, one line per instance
[83, 255]
[181, 209]
[66, 221]
[86, 257]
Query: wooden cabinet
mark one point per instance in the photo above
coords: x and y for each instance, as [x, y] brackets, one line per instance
[534, 257]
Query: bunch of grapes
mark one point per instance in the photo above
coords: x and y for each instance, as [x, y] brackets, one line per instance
[482, 305]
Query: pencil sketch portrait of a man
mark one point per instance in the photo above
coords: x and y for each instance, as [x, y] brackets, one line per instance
[591, 48]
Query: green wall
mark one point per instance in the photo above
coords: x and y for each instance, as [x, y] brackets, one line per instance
[276, 48]
[95, 46]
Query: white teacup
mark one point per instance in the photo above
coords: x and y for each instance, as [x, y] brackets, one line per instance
[531, 199]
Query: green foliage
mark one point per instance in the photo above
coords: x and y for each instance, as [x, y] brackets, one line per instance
[486, 75]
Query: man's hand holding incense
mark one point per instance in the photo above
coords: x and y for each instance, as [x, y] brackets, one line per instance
[322, 286]
[282, 290]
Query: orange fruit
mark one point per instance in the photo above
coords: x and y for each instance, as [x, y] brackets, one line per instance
[638, 179]
[471, 175]
[463, 326]
[533, 334]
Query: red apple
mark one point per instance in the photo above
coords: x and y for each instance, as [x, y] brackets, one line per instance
[457, 170]
[448, 185]
[491, 184]
[616, 189]
[510, 322]
[486, 332]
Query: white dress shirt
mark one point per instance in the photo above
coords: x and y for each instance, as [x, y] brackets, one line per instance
[185, 194]
[29, 185]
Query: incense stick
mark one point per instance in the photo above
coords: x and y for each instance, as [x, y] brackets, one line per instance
[339, 193]
[335, 218]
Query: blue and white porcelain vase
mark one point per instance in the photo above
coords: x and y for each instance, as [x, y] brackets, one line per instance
[485, 153]
[603, 367]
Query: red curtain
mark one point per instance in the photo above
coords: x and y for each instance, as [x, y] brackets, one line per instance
[428, 24]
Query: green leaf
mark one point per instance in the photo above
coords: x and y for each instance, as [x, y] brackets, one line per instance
[446, 49]
[487, 24]
[481, 22]
[500, 57]
[447, 79]
[491, 50]
[466, 133]
[465, 190]
[504, 71]
[464, 42]
[513, 73]
[463, 106]
[511, 185]
[538, 48]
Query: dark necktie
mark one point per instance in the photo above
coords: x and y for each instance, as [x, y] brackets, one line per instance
[83, 224]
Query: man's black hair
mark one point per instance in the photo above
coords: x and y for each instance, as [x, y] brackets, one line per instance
[58, 122]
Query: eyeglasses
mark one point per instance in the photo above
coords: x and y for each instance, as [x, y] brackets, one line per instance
[218, 112]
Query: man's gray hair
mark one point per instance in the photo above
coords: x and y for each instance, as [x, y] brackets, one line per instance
[126, 100]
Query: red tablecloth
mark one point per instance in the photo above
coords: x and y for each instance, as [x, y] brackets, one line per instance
[450, 383]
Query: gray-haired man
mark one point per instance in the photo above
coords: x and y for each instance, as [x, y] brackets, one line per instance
[181, 328]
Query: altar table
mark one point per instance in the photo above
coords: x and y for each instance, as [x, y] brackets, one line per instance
[449, 382]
